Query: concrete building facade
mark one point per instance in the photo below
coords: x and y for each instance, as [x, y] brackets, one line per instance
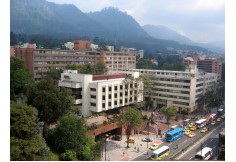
[178, 88]
[210, 65]
[119, 60]
[39, 60]
[102, 92]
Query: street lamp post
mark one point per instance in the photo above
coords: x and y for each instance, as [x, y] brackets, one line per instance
[106, 136]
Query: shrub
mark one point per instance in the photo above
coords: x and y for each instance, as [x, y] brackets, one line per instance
[68, 155]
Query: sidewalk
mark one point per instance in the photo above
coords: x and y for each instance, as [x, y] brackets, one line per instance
[115, 149]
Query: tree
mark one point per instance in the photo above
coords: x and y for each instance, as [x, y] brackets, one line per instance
[169, 112]
[20, 78]
[54, 74]
[71, 135]
[51, 101]
[130, 119]
[26, 143]
[86, 69]
[148, 86]
[100, 67]
[71, 67]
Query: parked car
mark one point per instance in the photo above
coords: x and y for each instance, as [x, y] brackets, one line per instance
[154, 146]
[147, 139]
[131, 140]
[116, 137]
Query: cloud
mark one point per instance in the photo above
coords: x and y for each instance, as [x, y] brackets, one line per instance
[202, 20]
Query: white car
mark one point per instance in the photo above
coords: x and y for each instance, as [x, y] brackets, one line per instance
[147, 139]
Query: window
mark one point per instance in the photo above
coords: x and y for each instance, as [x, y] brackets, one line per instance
[115, 102]
[93, 96]
[115, 88]
[121, 87]
[103, 97]
[126, 100]
[121, 94]
[103, 89]
[120, 101]
[92, 89]
[92, 104]
[109, 103]
[109, 96]
[115, 95]
[109, 88]
[103, 105]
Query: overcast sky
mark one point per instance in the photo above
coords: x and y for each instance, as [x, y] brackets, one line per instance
[199, 20]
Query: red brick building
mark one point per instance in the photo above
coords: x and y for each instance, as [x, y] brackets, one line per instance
[40, 60]
[82, 45]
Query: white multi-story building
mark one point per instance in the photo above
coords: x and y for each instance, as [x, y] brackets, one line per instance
[178, 88]
[69, 45]
[102, 92]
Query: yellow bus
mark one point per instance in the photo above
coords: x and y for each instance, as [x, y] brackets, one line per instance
[160, 153]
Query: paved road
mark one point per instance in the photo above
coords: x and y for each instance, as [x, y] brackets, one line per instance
[182, 143]
[211, 140]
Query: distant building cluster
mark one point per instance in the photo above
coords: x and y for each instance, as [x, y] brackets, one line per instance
[40, 60]
[207, 64]
[101, 93]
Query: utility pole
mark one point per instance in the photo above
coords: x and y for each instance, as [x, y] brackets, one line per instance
[106, 136]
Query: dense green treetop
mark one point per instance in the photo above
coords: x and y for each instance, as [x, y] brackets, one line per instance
[169, 112]
[20, 78]
[26, 142]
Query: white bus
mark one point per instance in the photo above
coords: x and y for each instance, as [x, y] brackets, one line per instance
[160, 153]
[201, 123]
[204, 154]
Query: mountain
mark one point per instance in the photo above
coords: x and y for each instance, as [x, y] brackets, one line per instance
[122, 25]
[163, 32]
[42, 17]
[220, 44]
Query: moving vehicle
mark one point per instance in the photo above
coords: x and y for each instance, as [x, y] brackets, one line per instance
[213, 123]
[223, 116]
[191, 134]
[147, 139]
[173, 127]
[205, 129]
[160, 153]
[220, 112]
[192, 128]
[131, 140]
[213, 117]
[218, 119]
[174, 134]
[186, 132]
[201, 123]
[154, 146]
[204, 154]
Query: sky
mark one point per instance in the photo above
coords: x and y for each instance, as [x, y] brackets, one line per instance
[202, 21]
